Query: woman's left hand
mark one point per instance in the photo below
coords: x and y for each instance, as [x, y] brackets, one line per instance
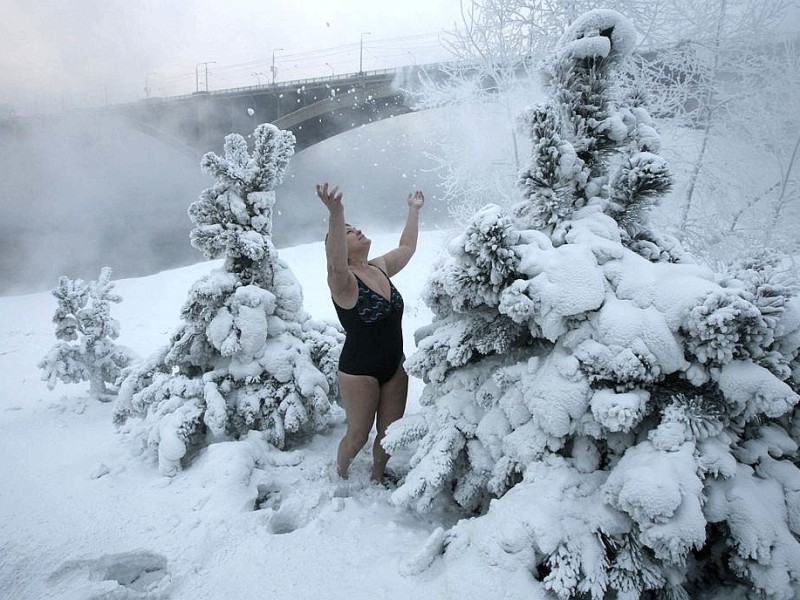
[416, 199]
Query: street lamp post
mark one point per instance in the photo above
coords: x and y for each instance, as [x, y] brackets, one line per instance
[273, 64]
[197, 73]
[277, 98]
[147, 85]
[331, 68]
[361, 53]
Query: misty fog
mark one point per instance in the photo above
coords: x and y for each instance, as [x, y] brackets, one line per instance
[82, 191]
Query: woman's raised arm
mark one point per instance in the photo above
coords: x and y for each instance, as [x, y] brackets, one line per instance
[336, 244]
[394, 260]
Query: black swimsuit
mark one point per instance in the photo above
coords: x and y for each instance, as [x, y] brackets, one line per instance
[373, 343]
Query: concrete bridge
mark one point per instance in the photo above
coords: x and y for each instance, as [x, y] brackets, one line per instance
[314, 109]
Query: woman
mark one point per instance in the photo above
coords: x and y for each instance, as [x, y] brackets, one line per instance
[372, 383]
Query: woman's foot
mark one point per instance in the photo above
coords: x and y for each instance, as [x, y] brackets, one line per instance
[389, 480]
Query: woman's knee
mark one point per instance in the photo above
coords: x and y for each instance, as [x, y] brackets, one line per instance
[356, 438]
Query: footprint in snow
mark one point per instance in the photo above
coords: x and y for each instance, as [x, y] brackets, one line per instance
[138, 575]
[289, 511]
[293, 494]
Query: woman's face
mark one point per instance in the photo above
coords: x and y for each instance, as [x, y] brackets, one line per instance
[355, 238]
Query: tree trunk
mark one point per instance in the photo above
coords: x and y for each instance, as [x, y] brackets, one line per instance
[698, 165]
[780, 201]
[97, 387]
[687, 206]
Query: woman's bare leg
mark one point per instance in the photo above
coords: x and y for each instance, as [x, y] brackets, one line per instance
[391, 406]
[360, 400]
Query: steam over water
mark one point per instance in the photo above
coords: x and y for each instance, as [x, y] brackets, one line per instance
[79, 193]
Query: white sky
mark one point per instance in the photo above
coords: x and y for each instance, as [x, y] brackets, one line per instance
[87, 50]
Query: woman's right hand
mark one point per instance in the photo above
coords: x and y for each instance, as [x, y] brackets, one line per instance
[332, 199]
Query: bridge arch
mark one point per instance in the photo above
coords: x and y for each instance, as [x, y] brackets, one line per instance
[338, 113]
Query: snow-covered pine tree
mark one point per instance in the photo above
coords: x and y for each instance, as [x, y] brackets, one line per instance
[85, 330]
[246, 356]
[622, 420]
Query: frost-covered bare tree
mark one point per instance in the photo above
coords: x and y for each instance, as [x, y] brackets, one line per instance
[769, 210]
[492, 49]
[718, 56]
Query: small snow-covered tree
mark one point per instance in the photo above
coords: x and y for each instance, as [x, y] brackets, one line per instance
[622, 420]
[246, 356]
[86, 332]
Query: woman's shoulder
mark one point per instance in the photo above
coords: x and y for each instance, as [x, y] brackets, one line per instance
[380, 263]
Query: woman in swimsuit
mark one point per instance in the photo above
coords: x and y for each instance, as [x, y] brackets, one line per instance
[372, 382]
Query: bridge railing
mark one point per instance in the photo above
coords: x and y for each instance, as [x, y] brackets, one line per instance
[291, 84]
[301, 82]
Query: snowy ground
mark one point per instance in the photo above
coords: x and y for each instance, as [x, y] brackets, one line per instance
[82, 517]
